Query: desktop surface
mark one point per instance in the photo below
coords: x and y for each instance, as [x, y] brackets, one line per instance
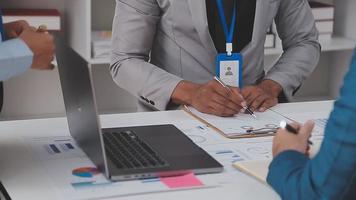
[24, 178]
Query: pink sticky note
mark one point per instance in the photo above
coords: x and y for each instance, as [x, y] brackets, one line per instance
[188, 180]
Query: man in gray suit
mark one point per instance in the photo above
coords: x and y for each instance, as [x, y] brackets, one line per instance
[164, 52]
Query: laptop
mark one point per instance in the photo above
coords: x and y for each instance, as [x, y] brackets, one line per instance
[123, 153]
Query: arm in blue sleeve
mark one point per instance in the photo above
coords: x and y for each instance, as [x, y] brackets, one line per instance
[332, 172]
[15, 58]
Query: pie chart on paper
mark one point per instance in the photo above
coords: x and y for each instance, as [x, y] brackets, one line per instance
[86, 172]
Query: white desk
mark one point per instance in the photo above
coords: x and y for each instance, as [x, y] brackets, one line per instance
[23, 179]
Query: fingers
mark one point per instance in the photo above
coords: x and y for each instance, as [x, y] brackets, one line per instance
[258, 99]
[231, 95]
[268, 104]
[306, 130]
[12, 34]
[42, 46]
[220, 89]
[23, 23]
[296, 125]
[30, 28]
[213, 98]
[221, 110]
[253, 97]
[226, 103]
[42, 29]
[247, 93]
[21, 26]
[14, 29]
[237, 97]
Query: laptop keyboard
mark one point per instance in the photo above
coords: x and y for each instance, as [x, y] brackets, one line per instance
[127, 151]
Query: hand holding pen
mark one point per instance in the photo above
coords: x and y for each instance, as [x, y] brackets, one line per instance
[291, 129]
[210, 98]
[293, 137]
[243, 104]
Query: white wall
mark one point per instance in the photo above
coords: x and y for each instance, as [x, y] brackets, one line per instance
[37, 94]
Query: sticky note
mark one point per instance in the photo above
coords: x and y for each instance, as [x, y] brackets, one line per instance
[184, 181]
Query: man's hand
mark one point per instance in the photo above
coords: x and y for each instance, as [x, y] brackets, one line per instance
[210, 98]
[263, 96]
[14, 29]
[284, 140]
[42, 46]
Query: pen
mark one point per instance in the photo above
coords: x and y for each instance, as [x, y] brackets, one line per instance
[226, 87]
[291, 129]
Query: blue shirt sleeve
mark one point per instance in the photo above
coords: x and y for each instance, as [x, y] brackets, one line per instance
[332, 173]
[15, 58]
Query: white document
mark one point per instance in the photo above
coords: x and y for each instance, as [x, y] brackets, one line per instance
[320, 119]
[76, 177]
[240, 124]
[259, 168]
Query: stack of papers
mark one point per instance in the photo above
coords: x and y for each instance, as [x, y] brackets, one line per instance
[324, 19]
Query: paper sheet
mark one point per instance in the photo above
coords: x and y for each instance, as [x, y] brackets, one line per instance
[320, 118]
[259, 168]
[76, 177]
[241, 123]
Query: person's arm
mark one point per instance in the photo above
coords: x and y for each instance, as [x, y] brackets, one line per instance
[26, 48]
[15, 58]
[332, 172]
[301, 49]
[134, 29]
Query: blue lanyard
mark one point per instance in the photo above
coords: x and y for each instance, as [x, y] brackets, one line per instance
[1, 27]
[229, 34]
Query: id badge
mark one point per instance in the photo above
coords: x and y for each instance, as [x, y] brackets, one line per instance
[229, 69]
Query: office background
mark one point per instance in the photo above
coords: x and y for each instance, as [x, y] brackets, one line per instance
[38, 94]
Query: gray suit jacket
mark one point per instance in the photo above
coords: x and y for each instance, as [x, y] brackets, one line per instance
[157, 43]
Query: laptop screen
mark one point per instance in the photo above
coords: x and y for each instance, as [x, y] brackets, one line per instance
[79, 101]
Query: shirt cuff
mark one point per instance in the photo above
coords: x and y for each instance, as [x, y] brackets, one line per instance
[15, 58]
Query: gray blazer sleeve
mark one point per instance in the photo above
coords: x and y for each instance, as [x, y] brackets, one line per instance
[134, 30]
[301, 49]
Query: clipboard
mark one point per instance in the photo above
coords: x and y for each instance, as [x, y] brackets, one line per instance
[246, 126]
